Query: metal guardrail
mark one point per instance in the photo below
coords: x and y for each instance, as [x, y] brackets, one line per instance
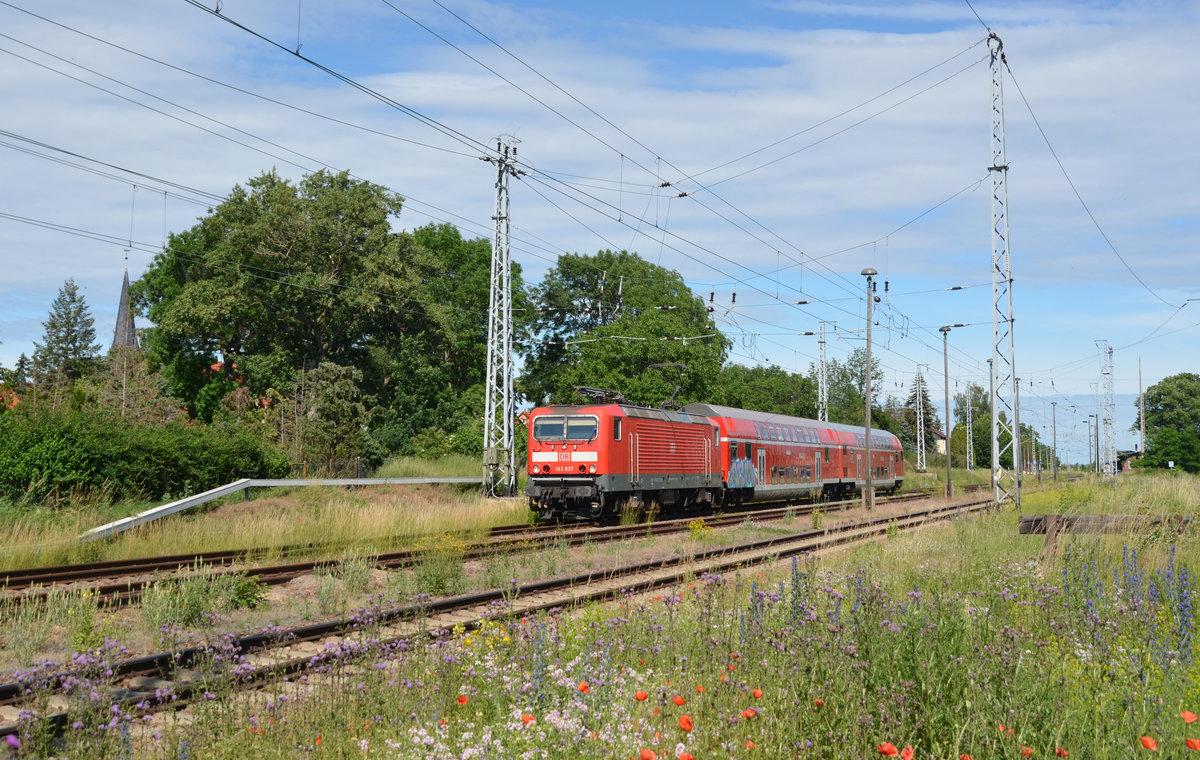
[245, 484]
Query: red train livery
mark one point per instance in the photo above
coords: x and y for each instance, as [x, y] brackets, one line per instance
[587, 462]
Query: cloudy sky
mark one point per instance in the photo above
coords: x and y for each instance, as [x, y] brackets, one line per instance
[812, 140]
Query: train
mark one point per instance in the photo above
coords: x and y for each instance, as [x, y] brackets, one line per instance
[592, 461]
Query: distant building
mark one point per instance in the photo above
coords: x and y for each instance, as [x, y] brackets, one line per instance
[939, 442]
[124, 336]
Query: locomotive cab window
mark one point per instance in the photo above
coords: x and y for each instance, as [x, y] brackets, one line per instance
[548, 428]
[616, 428]
[582, 427]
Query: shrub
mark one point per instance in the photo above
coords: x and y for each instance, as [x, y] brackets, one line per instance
[88, 451]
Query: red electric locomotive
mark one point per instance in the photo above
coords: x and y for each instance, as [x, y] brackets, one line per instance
[586, 462]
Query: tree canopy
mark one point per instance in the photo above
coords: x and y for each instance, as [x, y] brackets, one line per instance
[613, 320]
[68, 350]
[1173, 422]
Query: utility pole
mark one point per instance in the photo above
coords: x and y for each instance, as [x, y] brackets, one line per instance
[945, 331]
[868, 483]
[1018, 452]
[499, 465]
[1054, 422]
[822, 377]
[1005, 417]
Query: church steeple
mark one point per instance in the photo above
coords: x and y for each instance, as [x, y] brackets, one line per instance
[124, 336]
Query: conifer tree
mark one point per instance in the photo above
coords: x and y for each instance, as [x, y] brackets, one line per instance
[68, 350]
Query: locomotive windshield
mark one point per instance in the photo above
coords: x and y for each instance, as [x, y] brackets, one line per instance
[576, 427]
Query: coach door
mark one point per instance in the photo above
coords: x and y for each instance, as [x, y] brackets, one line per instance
[762, 465]
[817, 467]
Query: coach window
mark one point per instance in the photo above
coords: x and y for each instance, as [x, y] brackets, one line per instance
[749, 450]
[716, 438]
[774, 474]
[733, 447]
[616, 428]
[826, 455]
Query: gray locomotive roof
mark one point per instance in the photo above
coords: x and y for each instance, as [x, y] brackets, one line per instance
[713, 410]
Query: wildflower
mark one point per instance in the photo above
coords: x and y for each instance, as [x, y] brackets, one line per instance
[12, 741]
[1060, 752]
[648, 754]
[906, 753]
[748, 713]
[731, 667]
[1149, 743]
[887, 749]
[1192, 743]
[656, 712]
[1026, 751]
[818, 703]
[640, 696]
[462, 700]
[964, 756]
[1188, 716]
[749, 744]
[679, 700]
[757, 693]
[685, 722]
[700, 689]
[685, 756]
[527, 719]
[318, 738]
[583, 687]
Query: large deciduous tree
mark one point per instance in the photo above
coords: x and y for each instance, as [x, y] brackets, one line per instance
[766, 389]
[281, 277]
[616, 321]
[1173, 422]
[68, 350]
[847, 389]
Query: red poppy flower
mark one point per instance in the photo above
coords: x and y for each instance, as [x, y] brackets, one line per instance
[462, 699]
[906, 753]
[686, 723]
[641, 662]
[640, 696]
[686, 756]
[318, 738]
[1060, 752]
[748, 713]
[1192, 743]
[732, 667]
[749, 744]
[1149, 743]
[887, 749]
[679, 700]
[1188, 716]
[441, 721]
[818, 703]
[757, 693]
[700, 689]
[527, 719]
[583, 687]
[1026, 751]
[648, 754]
[656, 712]
[964, 756]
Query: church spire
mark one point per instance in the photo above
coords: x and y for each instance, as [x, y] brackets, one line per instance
[124, 336]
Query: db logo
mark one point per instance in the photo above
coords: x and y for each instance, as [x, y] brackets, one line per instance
[564, 456]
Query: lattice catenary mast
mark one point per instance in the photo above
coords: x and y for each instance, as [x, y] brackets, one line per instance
[822, 378]
[1005, 416]
[920, 420]
[1110, 438]
[499, 466]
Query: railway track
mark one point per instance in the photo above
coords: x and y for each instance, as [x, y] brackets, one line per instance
[285, 653]
[122, 581]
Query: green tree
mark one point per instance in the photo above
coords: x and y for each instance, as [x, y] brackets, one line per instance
[68, 350]
[847, 389]
[612, 320]
[918, 389]
[976, 400]
[1173, 422]
[766, 389]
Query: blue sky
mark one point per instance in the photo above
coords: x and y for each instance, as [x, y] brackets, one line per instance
[814, 139]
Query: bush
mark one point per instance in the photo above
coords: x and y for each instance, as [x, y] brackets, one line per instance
[91, 451]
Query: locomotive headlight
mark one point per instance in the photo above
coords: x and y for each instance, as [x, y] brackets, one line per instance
[545, 468]
[592, 469]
